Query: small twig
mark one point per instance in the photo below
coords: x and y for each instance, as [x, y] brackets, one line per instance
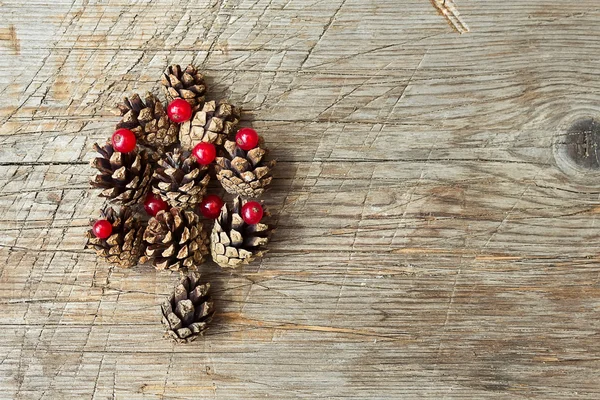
[449, 11]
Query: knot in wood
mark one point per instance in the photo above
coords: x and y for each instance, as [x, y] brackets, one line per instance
[582, 143]
[579, 146]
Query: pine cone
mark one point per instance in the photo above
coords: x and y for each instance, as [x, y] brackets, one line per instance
[187, 84]
[244, 173]
[213, 124]
[176, 240]
[180, 180]
[188, 310]
[148, 120]
[233, 242]
[125, 177]
[124, 246]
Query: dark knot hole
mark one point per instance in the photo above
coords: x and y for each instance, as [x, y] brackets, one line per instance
[582, 143]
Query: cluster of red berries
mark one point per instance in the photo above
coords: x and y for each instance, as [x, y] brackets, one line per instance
[179, 111]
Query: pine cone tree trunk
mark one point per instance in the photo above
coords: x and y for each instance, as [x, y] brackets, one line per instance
[188, 310]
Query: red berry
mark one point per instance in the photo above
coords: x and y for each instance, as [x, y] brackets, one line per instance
[179, 111]
[205, 153]
[154, 204]
[246, 138]
[252, 212]
[211, 206]
[123, 140]
[102, 229]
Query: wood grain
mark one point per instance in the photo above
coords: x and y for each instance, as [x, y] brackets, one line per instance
[433, 242]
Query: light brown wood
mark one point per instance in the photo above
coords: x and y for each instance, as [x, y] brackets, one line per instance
[435, 239]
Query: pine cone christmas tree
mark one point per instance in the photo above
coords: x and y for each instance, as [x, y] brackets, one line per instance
[151, 149]
[148, 120]
[124, 177]
[188, 310]
[187, 84]
[180, 180]
[123, 247]
[244, 173]
[176, 240]
[213, 123]
[234, 242]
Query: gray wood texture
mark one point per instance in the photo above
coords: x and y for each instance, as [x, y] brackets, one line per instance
[436, 212]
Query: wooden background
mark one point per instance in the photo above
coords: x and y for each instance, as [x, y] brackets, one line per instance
[437, 235]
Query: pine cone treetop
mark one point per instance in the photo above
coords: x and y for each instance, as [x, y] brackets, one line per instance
[176, 240]
[124, 177]
[124, 246]
[213, 123]
[233, 242]
[148, 120]
[180, 180]
[188, 310]
[187, 84]
[244, 173]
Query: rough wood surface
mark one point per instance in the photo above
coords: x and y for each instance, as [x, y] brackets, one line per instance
[435, 239]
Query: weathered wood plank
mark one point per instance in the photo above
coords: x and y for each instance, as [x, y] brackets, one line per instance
[434, 240]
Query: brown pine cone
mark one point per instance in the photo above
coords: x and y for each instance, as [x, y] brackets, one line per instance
[148, 120]
[123, 247]
[213, 123]
[233, 242]
[187, 84]
[124, 177]
[176, 240]
[188, 310]
[180, 180]
[244, 173]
